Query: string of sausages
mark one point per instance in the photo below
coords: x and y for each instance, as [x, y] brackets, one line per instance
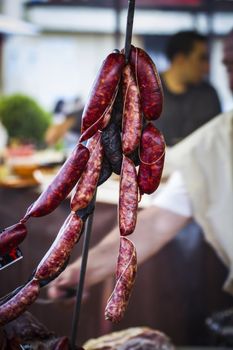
[116, 121]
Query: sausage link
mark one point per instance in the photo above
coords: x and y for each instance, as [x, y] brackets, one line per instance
[128, 200]
[103, 90]
[111, 139]
[87, 184]
[60, 250]
[19, 302]
[125, 278]
[152, 154]
[100, 124]
[132, 115]
[11, 237]
[149, 83]
[106, 171]
[63, 183]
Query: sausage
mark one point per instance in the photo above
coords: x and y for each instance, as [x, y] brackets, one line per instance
[149, 83]
[19, 302]
[128, 200]
[87, 184]
[63, 183]
[111, 139]
[132, 115]
[134, 156]
[61, 248]
[152, 154]
[125, 278]
[106, 171]
[100, 124]
[103, 90]
[11, 237]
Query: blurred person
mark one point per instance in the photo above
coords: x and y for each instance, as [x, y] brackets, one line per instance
[189, 100]
[3, 137]
[59, 112]
[200, 187]
[68, 124]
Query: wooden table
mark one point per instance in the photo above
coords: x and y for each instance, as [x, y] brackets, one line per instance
[175, 291]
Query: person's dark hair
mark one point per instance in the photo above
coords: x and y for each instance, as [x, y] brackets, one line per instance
[183, 42]
[59, 106]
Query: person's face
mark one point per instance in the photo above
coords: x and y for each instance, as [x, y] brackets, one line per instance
[196, 64]
[228, 59]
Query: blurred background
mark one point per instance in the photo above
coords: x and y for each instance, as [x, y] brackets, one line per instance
[50, 53]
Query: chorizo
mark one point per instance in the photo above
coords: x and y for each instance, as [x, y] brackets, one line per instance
[19, 302]
[87, 184]
[60, 250]
[11, 237]
[128, 199]
[132, 115]
[62, 184]
[111, 139]
[106, 171]
[152, 154]
[149, 83]
[103, 90]
[125, 278]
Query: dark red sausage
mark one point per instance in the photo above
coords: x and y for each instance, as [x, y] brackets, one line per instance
[63, 183]
[19, 303]
[125, 278]
[128, 200]
[11, 237]
[152, 153]
[103, 90]
[87, 184]
[132, 114]
[101, 123]
[61, 248]
[149, 83]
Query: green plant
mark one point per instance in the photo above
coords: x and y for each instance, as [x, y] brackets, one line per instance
[23, 118]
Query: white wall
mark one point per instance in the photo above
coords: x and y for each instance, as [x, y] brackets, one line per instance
[49, 67]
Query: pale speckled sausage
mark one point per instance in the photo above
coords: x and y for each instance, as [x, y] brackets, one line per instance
[103, 90]
[11, 237]
[87, 184]
[149, 83]
[128, 199]
[62, 184]
[61, 248]
[152, 154]
[19, 302]
[125, 278]
[132, 115]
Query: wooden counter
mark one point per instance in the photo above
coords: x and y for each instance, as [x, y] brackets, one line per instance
[175, 291]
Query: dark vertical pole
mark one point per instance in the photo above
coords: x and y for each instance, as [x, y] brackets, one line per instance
[129, 28]
[77, 309]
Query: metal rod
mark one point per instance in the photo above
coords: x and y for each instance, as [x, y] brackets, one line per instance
[77, 308]
[129, 28]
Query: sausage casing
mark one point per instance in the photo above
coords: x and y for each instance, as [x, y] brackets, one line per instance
[11, 237]
[128, 200]
[125, 278]
[149, 83]
[152, 154]
[103, 90]
[62, 184]
[111, 139]
[60, 250]
[132, 115]
[87, 184]
[19, 302]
